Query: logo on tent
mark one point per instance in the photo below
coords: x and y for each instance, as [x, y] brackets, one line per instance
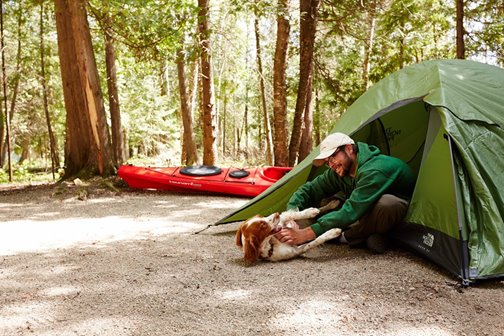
[428, 239]
[392, 133]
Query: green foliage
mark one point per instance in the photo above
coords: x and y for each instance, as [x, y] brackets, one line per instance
[405, 32]
[150, 28]
[252, 7]
[26, 173]
[486, 41]
[406, 39]
[24, 88]
[148, 117]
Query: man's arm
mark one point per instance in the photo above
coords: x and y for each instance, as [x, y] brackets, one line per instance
[295, 235]
[312, 192]
[368, 190]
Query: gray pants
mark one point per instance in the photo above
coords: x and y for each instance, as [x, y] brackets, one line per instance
[383, 217]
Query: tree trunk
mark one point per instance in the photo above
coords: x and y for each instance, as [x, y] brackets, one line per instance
[87, 144]
[165, 78]
[25, 149]
[209, 116]
[267, 125]
[193, 93]
[238, 137]
[113, 94]
[223, 125]
[189, 155]
[308, 25]
[401, 53]
[306, 144]
[366, 66]
[460, 29]
[16, 74]
[245, 123]
[279, 86]
[4, 87]
[316, 119]
[52, 138]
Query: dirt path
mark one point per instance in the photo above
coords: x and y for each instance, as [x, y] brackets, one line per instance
[90, 261]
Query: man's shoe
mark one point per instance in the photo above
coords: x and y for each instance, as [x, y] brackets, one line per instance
[336, 241]
[377, 243]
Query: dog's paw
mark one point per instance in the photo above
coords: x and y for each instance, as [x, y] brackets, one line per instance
[331, 234]
[310, 212]
[288, 215]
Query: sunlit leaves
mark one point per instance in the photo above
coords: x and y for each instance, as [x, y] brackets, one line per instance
[484, 26]
[151, 28]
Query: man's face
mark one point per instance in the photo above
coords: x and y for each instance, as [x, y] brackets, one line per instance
[340, 162]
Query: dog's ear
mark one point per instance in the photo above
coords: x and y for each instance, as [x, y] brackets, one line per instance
[238, 238]
[251, 249]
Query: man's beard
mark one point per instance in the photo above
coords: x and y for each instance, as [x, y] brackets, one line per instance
[347, 165]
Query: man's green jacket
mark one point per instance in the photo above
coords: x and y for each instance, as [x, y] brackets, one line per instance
[376, 174]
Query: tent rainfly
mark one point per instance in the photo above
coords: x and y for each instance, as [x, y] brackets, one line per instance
[445, 119]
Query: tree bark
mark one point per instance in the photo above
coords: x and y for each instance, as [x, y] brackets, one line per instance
[306, 144]
[460, 29]
[308, 25]
[164, 78]
[113, 93]
[245, 122]
[4, 87]
[279, 86]
[267, 125]
[209, 115]
[52, 138]
[16, 77]
[316, 119]
[87, 144]
[25, 149]
[366, 66]
[193, 93]
[189, 155]
[222, 128]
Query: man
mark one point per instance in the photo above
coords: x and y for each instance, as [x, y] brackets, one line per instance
[376, 189]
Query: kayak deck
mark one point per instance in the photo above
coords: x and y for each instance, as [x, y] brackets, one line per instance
[247, 182]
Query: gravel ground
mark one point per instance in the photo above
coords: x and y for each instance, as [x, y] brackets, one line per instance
[95, 260]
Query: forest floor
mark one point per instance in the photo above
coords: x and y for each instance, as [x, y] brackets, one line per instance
[102, 260]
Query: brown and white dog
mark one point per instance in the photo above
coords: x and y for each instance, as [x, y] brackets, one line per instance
[256, 236]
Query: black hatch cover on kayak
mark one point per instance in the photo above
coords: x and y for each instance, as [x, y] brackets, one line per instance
[240, 173]
[200, 170]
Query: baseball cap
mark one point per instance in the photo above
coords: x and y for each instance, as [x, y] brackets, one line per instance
[329, 145]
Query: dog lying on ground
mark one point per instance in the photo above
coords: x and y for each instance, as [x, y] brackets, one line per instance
[256, 236]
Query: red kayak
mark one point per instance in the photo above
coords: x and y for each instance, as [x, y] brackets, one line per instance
[248, 182]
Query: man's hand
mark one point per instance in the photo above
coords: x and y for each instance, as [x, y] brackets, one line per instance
[295, 235]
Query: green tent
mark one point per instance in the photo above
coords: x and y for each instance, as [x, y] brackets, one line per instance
[444, 118]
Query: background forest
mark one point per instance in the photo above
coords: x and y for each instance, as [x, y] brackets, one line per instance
[243, 82]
